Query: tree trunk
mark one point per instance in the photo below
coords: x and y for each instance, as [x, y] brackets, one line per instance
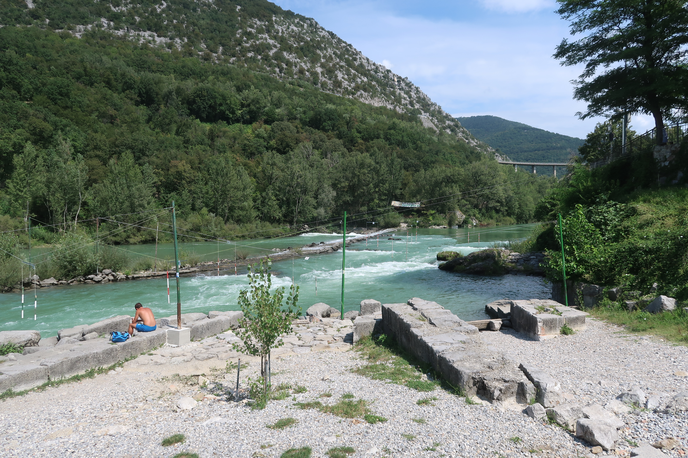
[659, 127]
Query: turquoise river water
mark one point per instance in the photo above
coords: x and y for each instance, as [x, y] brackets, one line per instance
[386, 270]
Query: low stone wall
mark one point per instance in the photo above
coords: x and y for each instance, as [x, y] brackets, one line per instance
[454, 349]
[82, 348]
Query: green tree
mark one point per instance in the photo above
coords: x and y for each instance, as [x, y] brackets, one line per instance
[127, 189]
[27, 182]
[228, 190]
[66, 188]
[598, 142]
[267, 316]
[634, 53]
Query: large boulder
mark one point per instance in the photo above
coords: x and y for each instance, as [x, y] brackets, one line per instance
[596, 412]
[20, 338]
[661, 304]
[491, 261]
[678, 403]
[320, 310]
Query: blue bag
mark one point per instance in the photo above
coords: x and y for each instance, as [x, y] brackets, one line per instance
[120, 336]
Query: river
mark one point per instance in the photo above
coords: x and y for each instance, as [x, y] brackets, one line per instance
[386, 270]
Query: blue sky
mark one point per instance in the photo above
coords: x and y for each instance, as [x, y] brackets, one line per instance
[472, 57]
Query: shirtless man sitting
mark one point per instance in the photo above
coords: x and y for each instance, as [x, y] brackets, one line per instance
[143, 321]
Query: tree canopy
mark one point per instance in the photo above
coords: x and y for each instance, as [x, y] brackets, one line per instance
[634, 53]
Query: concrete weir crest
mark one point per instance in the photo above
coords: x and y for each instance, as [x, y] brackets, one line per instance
[454, 349]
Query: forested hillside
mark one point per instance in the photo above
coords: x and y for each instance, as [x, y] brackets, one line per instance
[521, 142]
[94, 123]
[254, 34]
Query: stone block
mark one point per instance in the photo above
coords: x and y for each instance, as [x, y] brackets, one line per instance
[366, 325]
[634, 397]
[454, 349]
[351, 315]
[499, 309]
[542, 319]
[90, 336]
[661, 304]
[334, 313]
[210, 327]
[106, 327]
[596, 412]
[179, 337]
[647, 451]
[565, 415]
[20, 338]
[494, 325]
[48, 342]
[536, 411]
[234, 316]
[548, 389]
[596, 432]
[187, 319]
[31, 350]
[678, 403]
[76, 331]
[370, 307]
[22, 377]
[592, 294]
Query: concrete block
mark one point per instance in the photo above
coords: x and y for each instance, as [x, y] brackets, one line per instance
[209, 327]
[541, 319]
[109, 325]
[234, 316]
[179, 337]
[76, 331]
[366, 325]
[22, 377]
[499, 309]
[20, 338]
[370, 306]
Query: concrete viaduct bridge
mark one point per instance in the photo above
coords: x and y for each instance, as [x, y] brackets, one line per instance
[554, 165]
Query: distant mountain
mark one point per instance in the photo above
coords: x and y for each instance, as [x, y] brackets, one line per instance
[521, 142]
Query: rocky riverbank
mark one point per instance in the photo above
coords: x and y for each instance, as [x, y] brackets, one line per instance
[108, 276]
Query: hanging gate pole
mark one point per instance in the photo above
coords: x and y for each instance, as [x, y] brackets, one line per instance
[563, 262]
[343, 263]
[176, 265]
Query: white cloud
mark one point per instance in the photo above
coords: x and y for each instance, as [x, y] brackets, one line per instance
[518, 6]
[387, 64]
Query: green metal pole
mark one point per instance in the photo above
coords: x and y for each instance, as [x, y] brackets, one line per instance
[343, 263]
[176, 265]
[563, 261]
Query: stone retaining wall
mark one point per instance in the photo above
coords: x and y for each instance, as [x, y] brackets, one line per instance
[454, 349]
[83, 348]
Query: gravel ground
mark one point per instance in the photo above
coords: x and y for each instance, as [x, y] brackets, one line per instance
[129, 411]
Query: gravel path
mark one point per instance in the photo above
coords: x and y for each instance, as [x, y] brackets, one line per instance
[130, 410]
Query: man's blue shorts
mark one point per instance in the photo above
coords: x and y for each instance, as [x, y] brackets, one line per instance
[143, 328]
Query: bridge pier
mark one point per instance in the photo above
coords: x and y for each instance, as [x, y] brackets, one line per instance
[554, 171]
[534, 171]
[515, 168]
